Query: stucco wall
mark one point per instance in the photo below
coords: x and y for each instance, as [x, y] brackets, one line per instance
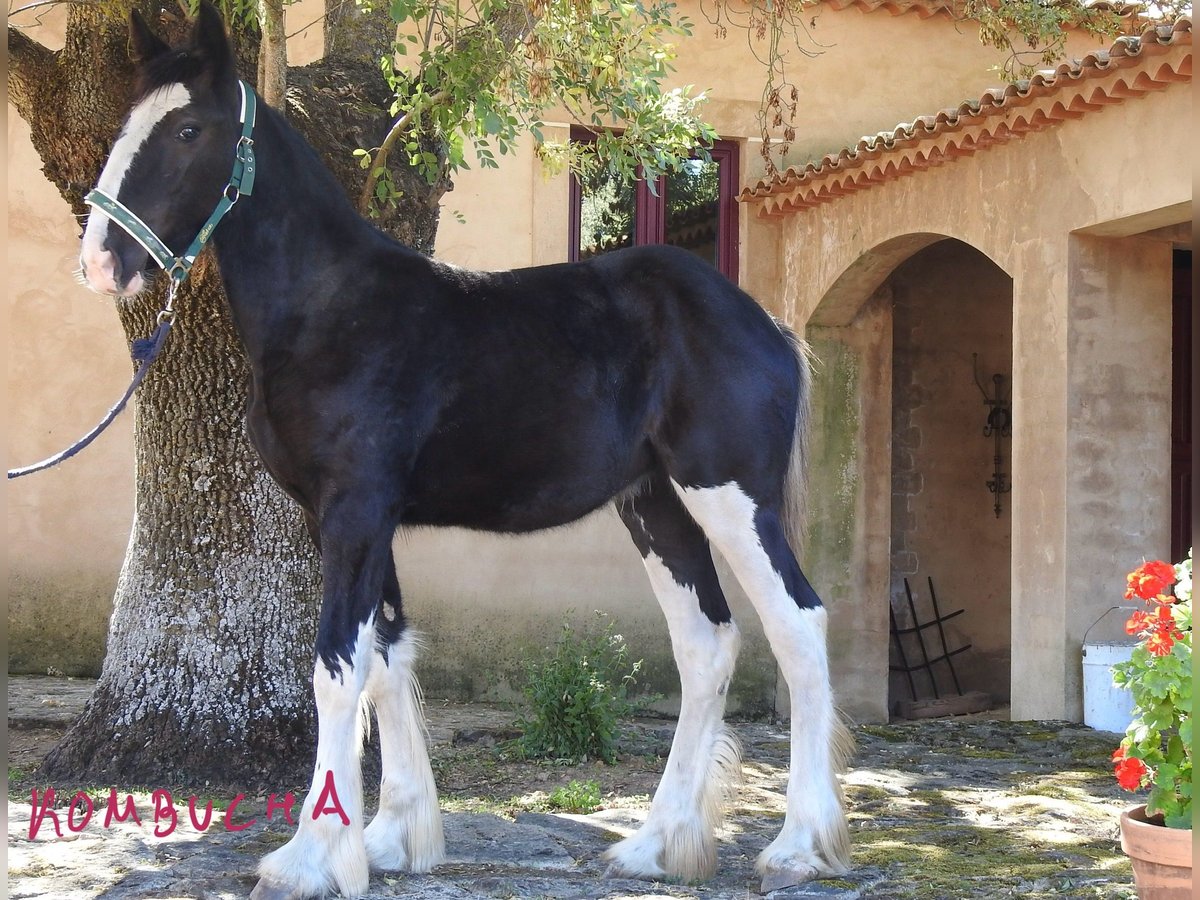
[67, 363]
[1020, 203]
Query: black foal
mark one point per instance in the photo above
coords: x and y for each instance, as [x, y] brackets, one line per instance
[390, 390]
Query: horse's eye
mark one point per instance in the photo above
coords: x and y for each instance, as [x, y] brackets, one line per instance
[188, 133]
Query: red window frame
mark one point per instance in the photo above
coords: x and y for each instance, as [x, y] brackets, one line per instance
[650, 211]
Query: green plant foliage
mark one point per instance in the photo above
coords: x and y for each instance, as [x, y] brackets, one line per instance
[576, 797]
[476, 77]
[241, 15]
[577, 693]
[1035, 34]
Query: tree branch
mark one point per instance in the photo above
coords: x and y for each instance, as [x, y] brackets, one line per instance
[33, 76]
[381, 155]
[40, 3]
[509, 25]
[272, 55]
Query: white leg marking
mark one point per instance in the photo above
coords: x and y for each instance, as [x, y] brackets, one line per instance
[327, 853]
[705, 762]
[406, 833]
[97, 263]
[814, 839]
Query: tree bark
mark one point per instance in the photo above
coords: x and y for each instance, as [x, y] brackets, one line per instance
[362, 33]
[208, 669]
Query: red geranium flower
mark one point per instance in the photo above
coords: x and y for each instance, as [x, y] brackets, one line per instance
[1130, 772]
[1160, 642]
[1136, 622]
[1162, 617]
[1149, 580]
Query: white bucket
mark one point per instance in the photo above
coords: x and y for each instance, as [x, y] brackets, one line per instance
[1106, 707]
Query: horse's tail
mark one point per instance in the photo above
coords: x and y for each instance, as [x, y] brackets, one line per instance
[795, 482]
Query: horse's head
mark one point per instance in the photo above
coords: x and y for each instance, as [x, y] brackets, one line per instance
[173, 155]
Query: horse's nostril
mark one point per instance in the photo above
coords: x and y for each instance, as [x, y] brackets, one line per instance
[113, 264]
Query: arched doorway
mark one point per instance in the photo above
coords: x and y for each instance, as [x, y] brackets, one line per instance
[899, 466]
[951, 534]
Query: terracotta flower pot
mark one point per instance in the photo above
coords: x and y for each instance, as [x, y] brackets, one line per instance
[1161, 856]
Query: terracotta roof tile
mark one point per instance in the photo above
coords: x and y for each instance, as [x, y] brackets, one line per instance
[927, 8]
[1150, 61]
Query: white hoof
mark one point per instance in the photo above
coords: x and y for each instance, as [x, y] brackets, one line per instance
[685, 851]
[385, 846]
[638, 856]
[273, 890]
[396, 845]
[784, 862]
[778, 879]
[301, 870]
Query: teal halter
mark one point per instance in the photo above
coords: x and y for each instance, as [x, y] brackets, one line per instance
[241, 181]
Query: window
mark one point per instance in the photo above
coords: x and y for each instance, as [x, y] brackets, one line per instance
[695, 208]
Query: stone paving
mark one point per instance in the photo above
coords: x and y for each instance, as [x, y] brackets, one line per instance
[941, 809]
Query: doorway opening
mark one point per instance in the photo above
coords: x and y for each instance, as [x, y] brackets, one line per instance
[952, 352]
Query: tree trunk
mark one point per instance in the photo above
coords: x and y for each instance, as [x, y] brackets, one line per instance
[210, 646]
[362, 32]
[210, 642]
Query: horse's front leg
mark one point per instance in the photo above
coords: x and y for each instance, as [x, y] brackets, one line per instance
[406, 833]
[327, 852]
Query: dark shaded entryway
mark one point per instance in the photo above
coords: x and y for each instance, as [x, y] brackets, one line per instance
[951, 337]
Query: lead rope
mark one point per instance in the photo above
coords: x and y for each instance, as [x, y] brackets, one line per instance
[143, 351]
[146, 350]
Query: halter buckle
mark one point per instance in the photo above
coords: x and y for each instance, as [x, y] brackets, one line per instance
[167, 313]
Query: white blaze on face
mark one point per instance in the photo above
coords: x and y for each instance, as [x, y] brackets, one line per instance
[98, 264]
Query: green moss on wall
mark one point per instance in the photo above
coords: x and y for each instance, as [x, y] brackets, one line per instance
[833, 472]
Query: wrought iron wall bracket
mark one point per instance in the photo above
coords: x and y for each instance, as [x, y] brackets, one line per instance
[999, 426]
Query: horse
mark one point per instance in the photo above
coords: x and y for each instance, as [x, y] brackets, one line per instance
[390, 390]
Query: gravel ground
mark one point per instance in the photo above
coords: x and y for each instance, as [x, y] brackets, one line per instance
[942, 808]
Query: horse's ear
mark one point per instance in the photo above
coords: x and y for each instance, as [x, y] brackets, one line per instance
[144, 44]
[210, 41]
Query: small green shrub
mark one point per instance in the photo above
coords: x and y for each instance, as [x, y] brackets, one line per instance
[576, 797]
[577, 692]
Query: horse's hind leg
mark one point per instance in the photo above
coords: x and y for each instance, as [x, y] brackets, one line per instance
[814, 840]
[678, 837]
[406, 833]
